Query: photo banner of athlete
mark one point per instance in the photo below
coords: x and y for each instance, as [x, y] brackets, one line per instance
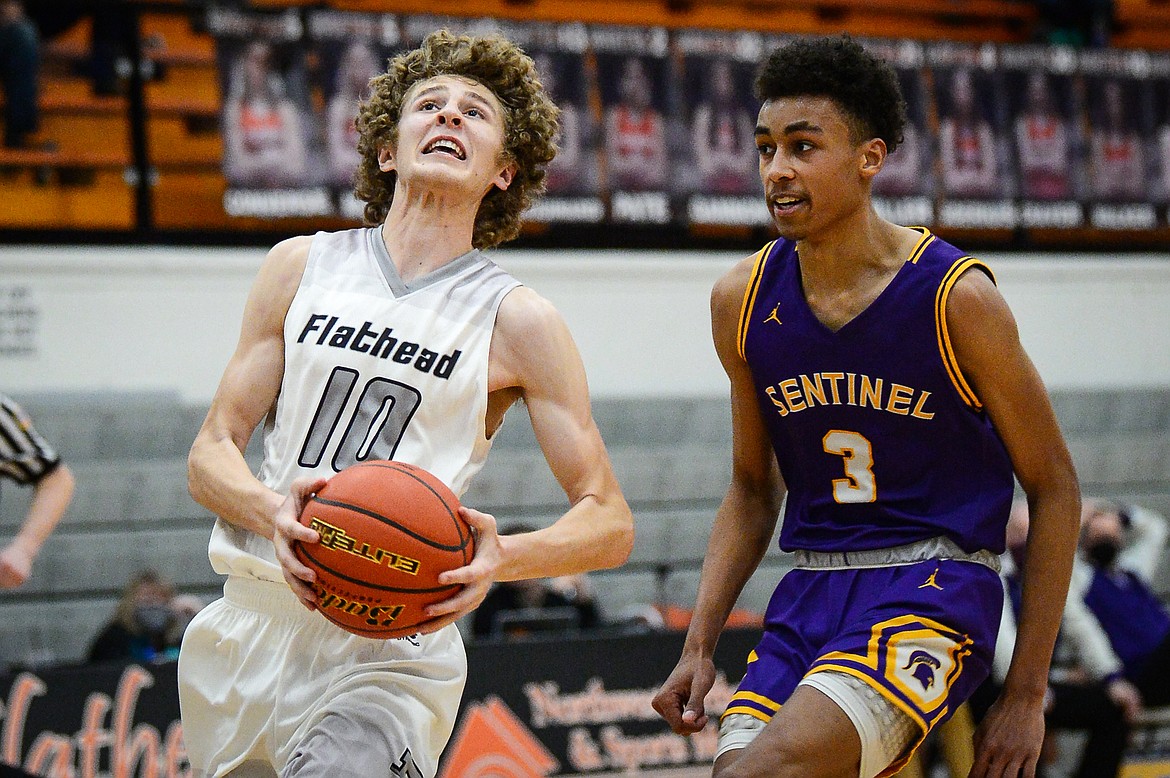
[656, 125]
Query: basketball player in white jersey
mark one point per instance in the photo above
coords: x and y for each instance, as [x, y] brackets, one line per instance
[397, 341]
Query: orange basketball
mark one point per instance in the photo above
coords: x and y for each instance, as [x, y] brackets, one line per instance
[388, 529]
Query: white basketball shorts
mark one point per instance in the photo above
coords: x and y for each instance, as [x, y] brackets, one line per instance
[267, 687]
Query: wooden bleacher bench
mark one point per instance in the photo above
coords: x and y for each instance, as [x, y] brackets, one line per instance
[168, 39]
[1143, 24]
[1155, 12]
[102, 200]
[198, 97]
[79, 158]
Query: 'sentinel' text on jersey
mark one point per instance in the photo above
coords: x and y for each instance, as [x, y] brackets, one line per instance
[367, 339]
[793, 395]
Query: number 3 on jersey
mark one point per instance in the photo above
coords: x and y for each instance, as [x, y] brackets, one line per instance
[858, 485]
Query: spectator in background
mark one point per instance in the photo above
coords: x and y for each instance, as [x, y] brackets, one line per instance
[1091, 695]
[967, 142]
[358, 65]
[530, 596]
[20, 65]
[263, 138]
[184, 607]
[1042, 142]
[112, 31]
[27, 459]
[1122, 546]
[147, 624]
[635, 137]
[1115, 149]
[723, 135]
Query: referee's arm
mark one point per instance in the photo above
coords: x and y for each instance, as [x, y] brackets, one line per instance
[27, 459]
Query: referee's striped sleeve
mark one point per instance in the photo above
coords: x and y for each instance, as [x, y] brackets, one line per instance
[25, 456]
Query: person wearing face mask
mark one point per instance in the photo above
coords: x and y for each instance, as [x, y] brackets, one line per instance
[1121, 547]
[141, 624]
[1087, 688]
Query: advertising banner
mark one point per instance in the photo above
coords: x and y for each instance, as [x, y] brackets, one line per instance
[540, 707]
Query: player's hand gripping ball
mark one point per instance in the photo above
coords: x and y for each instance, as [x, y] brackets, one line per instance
[388, 529]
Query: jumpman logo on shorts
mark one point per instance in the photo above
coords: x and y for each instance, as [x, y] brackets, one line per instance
[931, 582]
[773, 315]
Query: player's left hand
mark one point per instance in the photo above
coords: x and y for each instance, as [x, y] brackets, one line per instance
[15, 566]
[476, 577]
[1008, 742]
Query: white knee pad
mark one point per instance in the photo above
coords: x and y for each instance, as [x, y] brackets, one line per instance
[885, 730]
[736, 730]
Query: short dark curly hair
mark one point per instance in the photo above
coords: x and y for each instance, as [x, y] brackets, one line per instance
[839, 68]
[530, 123]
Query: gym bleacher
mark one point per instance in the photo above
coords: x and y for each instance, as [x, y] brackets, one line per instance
[671, 455]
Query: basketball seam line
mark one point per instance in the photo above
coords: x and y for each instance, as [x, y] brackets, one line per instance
[392, 523]
[406, 468]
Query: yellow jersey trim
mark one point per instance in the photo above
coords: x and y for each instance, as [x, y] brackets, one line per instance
[756, 698]
[746, 710]
[946, 349]
[926, 240]
[749, 297]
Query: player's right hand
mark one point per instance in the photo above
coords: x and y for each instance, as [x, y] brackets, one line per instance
[680, 700]
[288, 531]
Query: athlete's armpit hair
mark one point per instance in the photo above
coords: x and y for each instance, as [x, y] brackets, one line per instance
[530, 123]
[839, 68]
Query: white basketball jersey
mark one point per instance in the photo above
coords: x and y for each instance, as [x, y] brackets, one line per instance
[375, 368]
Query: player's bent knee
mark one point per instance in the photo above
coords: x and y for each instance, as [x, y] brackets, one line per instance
[795, 762]
[886, 734]
[786, 754]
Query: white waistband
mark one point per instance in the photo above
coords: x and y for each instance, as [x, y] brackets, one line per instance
[263, 596]
[911, 553]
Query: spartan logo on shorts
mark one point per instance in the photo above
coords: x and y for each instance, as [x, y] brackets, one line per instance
[913, 658]
[922, 662]
[923, 667]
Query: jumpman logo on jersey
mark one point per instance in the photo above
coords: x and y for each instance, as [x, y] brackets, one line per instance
[772, 316]
[931, 582]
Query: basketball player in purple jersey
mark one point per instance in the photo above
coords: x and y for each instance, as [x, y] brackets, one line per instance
[881, 396]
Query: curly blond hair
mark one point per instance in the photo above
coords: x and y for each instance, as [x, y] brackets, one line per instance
[530, 122]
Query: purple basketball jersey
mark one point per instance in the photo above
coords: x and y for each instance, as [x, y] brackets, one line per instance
[879, 437]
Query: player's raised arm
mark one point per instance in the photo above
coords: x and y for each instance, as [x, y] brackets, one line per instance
[533, 350]
[218, 477]
[986, 342]
[743, 525]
